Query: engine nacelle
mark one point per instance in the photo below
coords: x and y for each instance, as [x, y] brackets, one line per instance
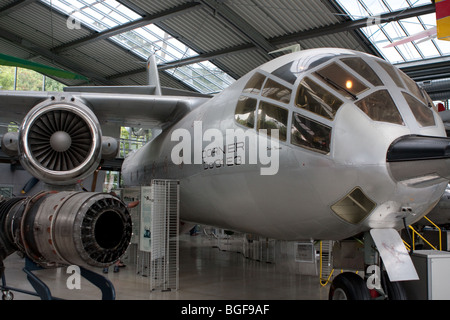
[10, 143]
[60, 142]
[66, 228]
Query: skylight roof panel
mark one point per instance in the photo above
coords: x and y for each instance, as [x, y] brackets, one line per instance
[384, 34]
[412, 25]
[101, 15]
[428, 49]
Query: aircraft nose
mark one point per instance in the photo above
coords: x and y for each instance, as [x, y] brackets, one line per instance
[416, 159]
[416, 147]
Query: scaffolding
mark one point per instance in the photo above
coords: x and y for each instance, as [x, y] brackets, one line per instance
[259, 249]
[164, 271]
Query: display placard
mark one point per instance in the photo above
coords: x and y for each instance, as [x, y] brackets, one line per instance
[146, 219]
[304, 252]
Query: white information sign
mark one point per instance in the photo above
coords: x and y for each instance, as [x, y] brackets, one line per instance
[146, 219]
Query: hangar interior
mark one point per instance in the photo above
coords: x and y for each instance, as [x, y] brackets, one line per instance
[202, 47]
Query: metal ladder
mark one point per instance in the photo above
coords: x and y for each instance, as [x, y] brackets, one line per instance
[326, 261]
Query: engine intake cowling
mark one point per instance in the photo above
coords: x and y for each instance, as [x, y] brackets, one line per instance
[60, 142]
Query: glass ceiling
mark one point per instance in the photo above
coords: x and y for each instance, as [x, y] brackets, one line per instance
[101, 15]
[385, 33]
[205, 77]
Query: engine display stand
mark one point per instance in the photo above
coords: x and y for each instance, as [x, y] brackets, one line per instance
[43, 291]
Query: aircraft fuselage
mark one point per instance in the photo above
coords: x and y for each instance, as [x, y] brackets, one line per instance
[323, 174]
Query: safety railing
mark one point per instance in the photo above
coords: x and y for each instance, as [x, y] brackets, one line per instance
[440, 232]
[423, 238]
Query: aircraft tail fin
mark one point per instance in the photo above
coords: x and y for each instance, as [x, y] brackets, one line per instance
[153, 75]
[290, 49]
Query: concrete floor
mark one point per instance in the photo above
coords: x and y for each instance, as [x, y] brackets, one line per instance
[205, 273]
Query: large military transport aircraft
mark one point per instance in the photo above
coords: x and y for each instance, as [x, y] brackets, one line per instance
[318, 144]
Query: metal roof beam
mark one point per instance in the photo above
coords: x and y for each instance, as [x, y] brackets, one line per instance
[239, 24]
[38, 50]
[151, 19]
[428, 69]
[206, 56]
[355, 24]
[316, 32]
[14, 6]
[188, 61]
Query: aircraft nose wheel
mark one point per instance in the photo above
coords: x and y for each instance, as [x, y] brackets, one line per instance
[348, 286]
[7, 295]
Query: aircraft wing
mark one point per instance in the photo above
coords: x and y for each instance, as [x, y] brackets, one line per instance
[128, 110]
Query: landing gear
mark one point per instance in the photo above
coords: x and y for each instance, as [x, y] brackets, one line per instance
[375, 285]
[393, 290]
[348, 286]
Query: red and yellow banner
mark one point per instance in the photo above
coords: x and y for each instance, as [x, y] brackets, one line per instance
[443, 19]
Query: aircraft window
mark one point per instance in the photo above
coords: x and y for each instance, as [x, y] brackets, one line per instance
[342, 80]
[429, 101]
[379, 106]
[314, 98]
[276, 91]
[364, 70]
[423, 114]
[412, 86]
[273, 117]
[287, 72]
[392, 73]
[310, 134]
[245, 111]
[255, 83]
[293, 70]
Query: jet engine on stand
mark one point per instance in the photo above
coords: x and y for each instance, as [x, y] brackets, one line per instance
[60, 142]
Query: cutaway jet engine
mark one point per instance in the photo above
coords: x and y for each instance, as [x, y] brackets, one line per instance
[65, 228]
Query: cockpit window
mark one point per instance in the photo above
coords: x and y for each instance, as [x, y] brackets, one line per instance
[316, 99]
[364, 70]
[423, 114]
[293, 70]
[379, 106]
[392, 73]
[342, 80]
[310, 134]
[412, 86]
[276, 91]
[255, 83]
[245, 111]
[428, 100]
[273, 117]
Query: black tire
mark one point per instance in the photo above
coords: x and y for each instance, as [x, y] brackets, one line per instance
[394, 290]
[348, 286]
